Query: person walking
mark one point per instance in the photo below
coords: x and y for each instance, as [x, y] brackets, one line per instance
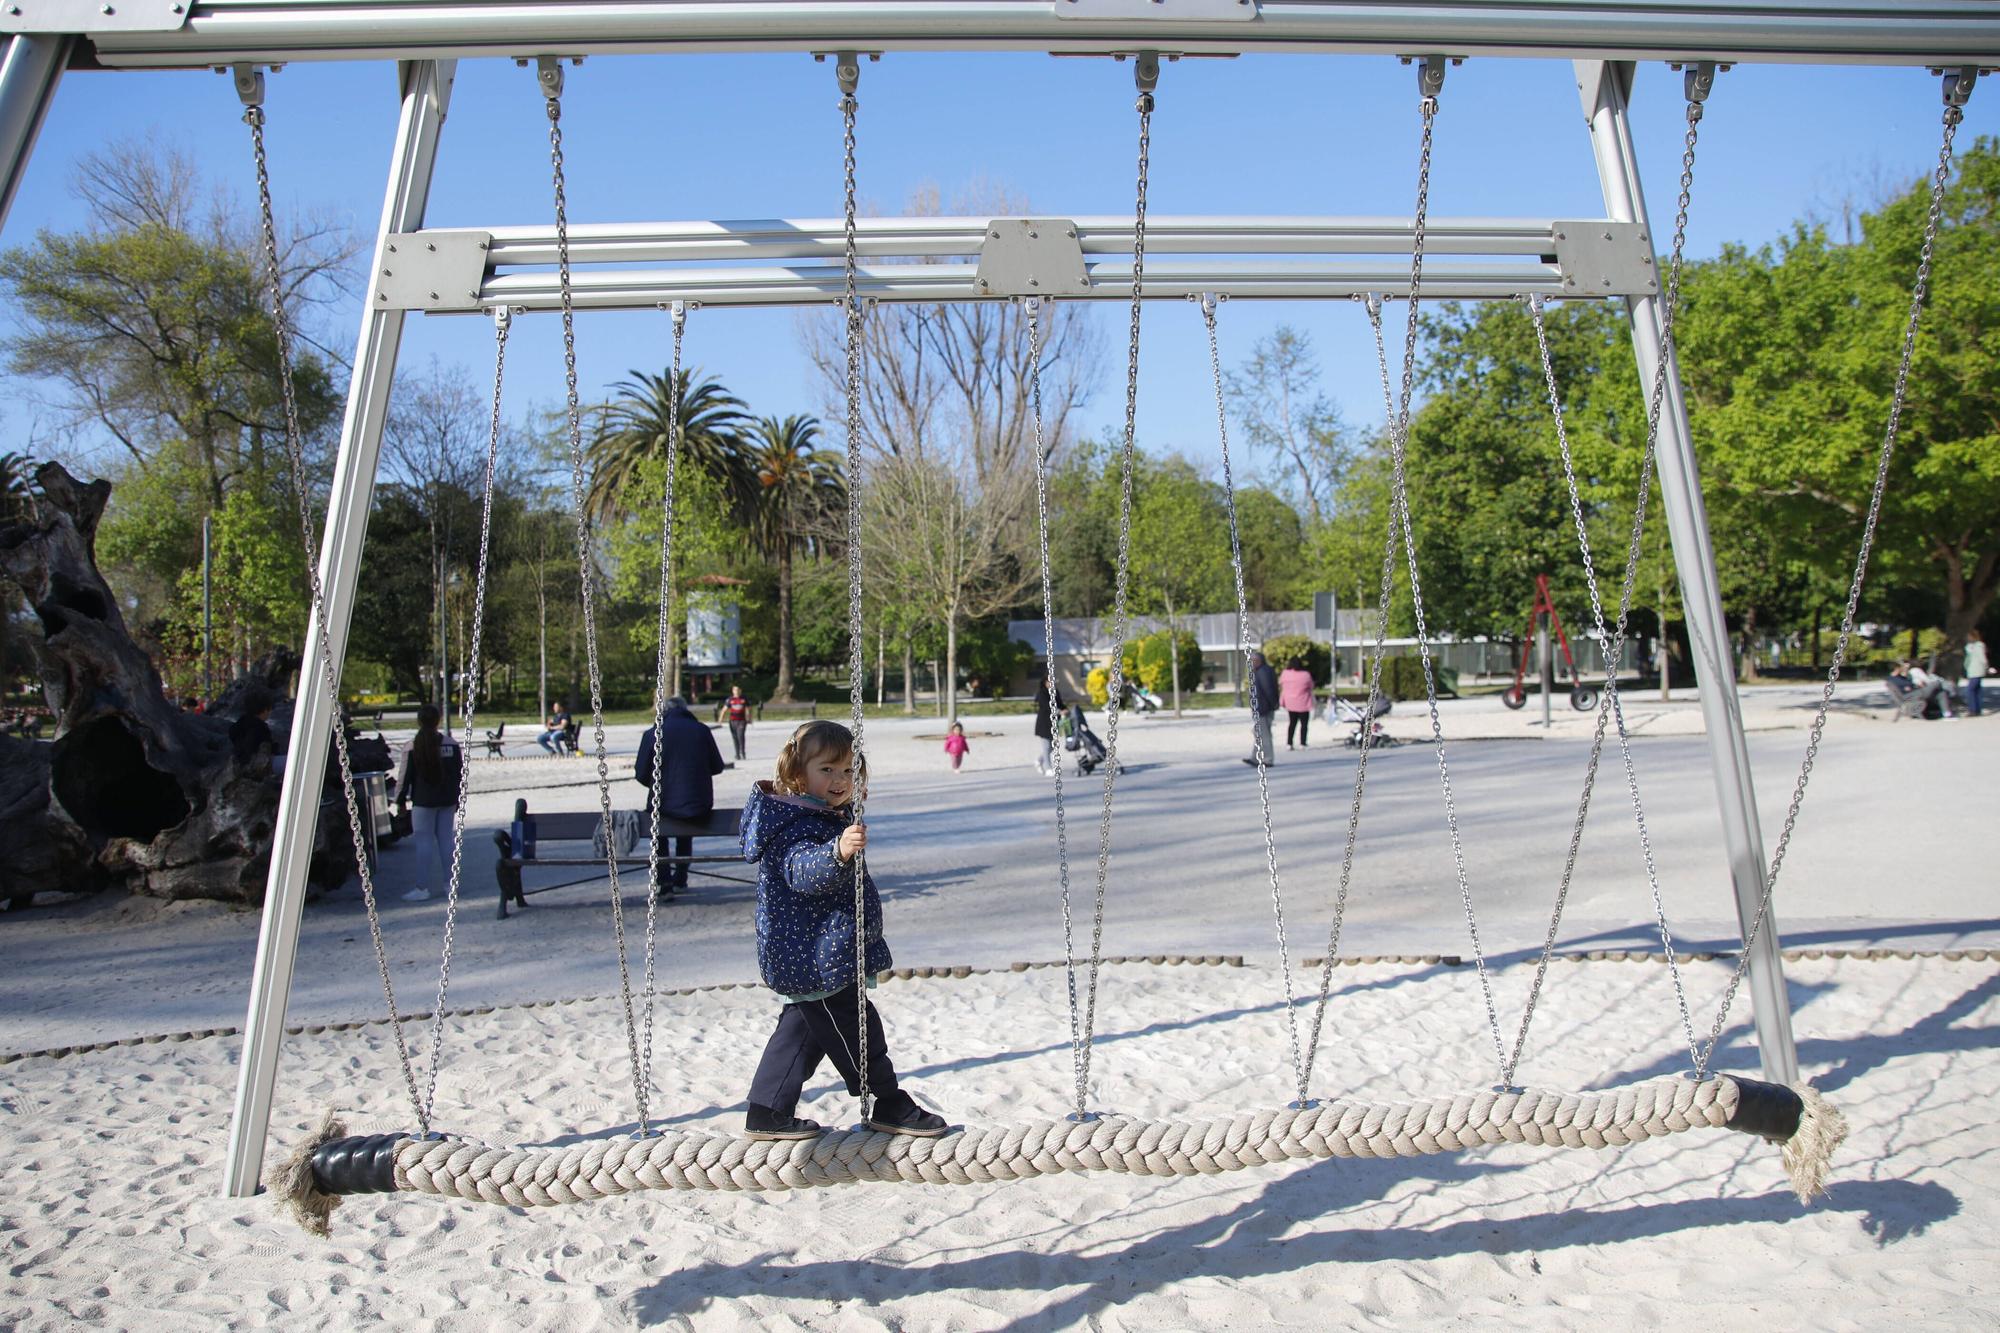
[1045, 732]
[689, 761]
[1295, 692]
[1263, 707]
[956, 745]
[736, 711]
[431, 770]
[1975, 670]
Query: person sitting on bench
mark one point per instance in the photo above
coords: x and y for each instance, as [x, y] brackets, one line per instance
[689, 761]
[555, 729]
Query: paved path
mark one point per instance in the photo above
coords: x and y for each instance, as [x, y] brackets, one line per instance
[1891, 849]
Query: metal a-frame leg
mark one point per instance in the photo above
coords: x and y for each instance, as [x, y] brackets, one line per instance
[1606, 88]
[30, 69]
[426, 94]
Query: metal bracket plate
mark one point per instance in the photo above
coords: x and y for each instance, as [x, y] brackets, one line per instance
[1178, 11]
[92, 16]
[1031, 257]
[431, 270]
[1600, 258]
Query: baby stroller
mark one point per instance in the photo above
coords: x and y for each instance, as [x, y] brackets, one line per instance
[1339, 712]
[1090, 751]
[1139, 699]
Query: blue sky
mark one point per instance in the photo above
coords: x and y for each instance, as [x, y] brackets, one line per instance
[759, 136]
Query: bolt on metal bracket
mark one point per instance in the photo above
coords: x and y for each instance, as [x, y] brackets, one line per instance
[1600, 258]
[1031, 257]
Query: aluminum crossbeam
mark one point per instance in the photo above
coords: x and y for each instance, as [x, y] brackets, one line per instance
[217, 32]
[927, 259]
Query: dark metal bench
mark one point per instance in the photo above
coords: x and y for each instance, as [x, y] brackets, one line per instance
[581, 827]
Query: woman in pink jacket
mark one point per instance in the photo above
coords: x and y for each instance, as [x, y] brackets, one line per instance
[1295, 695]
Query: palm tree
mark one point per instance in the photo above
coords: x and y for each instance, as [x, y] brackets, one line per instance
[789, 493]
[634, 427]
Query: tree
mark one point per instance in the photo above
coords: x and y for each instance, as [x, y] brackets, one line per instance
[953, 542]
[1281, 410]
[152, 321]
[954, 378]
[396, 595]
[435, 440]
[1791, 354]
[791, 495]
[635, 425]
[1180, 547]
[706, 537]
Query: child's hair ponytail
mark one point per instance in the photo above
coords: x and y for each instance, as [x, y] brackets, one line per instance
[811, 743]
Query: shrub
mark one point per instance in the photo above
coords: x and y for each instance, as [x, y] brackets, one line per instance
[1098, 682]
[1148, 663]
[1403, 678]
[1318, 657]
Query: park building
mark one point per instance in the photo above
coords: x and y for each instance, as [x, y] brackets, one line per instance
[1083, 643]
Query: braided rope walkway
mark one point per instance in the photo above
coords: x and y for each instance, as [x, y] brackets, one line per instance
[606, 1168]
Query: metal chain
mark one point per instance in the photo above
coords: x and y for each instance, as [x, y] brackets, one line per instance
[1208, 303]
[664, 661]
[1083, 1032]
[1400, 510]
[1611, 642]
[1953, 115]
[1373, 305]
[851, 306]
[329, 671]
[501, 319]
[586, 583]
[1033, 307]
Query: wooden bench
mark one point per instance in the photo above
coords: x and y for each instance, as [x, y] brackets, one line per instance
[581, 827]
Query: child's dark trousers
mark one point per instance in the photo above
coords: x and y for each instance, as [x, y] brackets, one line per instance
[816, 1029]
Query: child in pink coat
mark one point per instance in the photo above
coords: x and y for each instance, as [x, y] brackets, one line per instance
[955, 745]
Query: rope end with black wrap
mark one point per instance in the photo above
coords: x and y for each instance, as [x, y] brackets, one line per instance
[1806, 1126]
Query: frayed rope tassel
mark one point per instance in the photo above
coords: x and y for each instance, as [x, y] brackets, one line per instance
[300, 1196]
[1809, 1151]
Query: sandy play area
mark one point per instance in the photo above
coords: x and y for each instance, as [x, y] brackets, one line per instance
[114, 1219]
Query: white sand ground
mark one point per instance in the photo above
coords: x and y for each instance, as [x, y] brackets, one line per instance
[110, 1214]
[110, 1217]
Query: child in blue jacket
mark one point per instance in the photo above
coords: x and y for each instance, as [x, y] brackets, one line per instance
[798, 830]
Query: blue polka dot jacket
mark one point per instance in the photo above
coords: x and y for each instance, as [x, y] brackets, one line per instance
[805, 895]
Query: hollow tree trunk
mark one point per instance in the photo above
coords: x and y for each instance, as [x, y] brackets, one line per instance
[153, 796]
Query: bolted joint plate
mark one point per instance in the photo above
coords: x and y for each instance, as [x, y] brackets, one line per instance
[430, 271]
[1031, 257]
[1599, 258]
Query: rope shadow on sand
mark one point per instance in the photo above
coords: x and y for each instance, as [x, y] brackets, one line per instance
[1250, 1241]
[1848, 1058]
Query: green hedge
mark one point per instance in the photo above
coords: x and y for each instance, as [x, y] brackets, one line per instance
[1403, 678]
[1280, 650]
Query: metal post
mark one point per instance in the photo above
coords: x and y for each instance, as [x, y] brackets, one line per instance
[29, 72]
[1545, 666]
[207, 613]
[426, 92]
[1606, 90]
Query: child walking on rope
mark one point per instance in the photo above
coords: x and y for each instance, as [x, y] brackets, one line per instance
[798, 830]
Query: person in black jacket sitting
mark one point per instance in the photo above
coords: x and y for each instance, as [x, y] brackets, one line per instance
[689, 760]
